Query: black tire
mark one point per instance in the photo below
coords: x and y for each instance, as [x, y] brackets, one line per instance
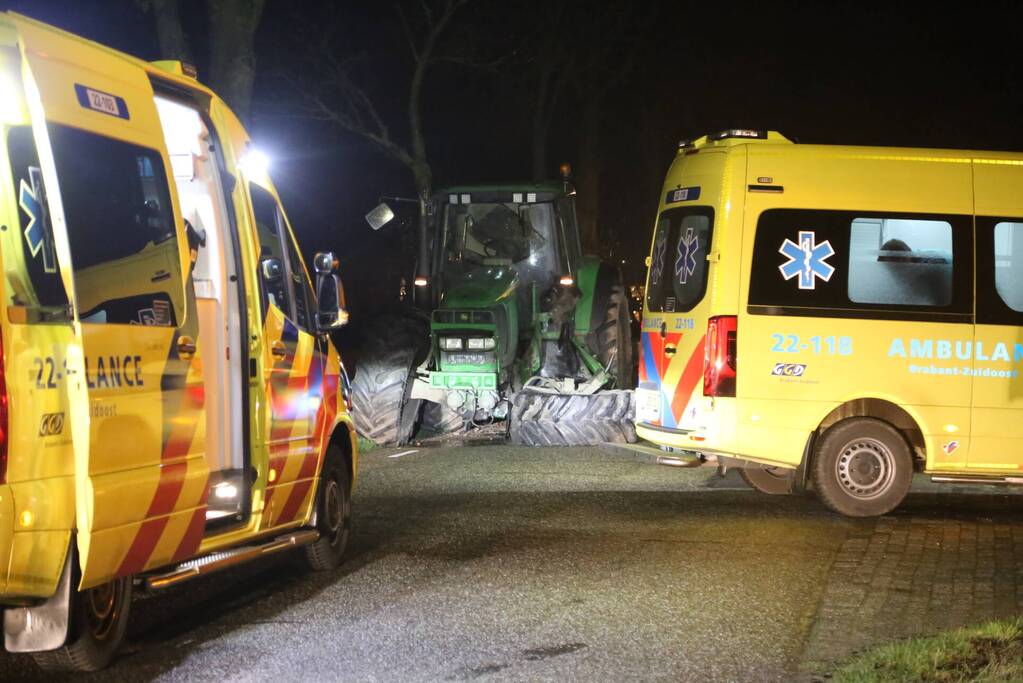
[539, 419]
[438, 418]
[862, 467]
[383, 412]
[333, 514]
[614, 340]
[774, 481]
[99, 618]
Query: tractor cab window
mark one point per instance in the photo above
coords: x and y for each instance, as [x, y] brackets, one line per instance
[568, 235]
[499, 234]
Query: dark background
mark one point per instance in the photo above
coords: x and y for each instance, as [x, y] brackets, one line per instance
[849, 73]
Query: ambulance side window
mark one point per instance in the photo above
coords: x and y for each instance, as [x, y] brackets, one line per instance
[33, 280]
[1000, 271]
[304, 300]
[273, 262]
[120, 223]
[866, 264]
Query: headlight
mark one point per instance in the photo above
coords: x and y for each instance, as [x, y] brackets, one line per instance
[484, 343]
[451, 343]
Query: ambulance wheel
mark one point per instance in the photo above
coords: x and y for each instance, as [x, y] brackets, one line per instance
[862, 467]
[775, 481]
[333, 514]
[98, 620]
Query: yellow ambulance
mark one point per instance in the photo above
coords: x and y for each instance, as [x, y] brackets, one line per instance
[838, 317]
[170, 403]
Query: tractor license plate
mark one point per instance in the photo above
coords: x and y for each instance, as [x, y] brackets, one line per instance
[648, 405]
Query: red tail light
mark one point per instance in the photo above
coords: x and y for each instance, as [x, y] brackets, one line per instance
[3, 417]
[719, 356]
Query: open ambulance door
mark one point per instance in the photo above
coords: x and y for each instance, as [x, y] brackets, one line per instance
[131, 371]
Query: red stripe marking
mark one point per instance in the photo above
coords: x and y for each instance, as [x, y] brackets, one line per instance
[295, 498]
[193, 534]
[142, 547]
[172, 480]
[692, 374]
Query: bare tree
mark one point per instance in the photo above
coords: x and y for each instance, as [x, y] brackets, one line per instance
[232, 32]
[338, 97]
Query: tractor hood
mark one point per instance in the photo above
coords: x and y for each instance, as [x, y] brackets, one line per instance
[480, 287]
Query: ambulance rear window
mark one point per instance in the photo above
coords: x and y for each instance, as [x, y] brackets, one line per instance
[121, 229]
[678, 265]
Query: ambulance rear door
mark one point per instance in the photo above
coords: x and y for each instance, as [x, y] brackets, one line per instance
[132, 372]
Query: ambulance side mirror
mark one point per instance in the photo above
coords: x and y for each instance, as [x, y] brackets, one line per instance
[330, 294]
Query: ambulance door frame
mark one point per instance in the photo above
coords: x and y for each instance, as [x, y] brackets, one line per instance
[200, 103]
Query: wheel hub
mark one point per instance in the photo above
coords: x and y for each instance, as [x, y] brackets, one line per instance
[865, 468]
[102, 609]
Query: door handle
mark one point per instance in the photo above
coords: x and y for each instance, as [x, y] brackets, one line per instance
[278, 349]
[669, 350]
[186, 347]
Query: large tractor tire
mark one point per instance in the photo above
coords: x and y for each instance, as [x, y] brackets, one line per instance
[439, 419]
[542, 419]
[392, 348]
[614, 340]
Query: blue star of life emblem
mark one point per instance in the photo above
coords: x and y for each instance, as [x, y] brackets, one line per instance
[35, 234]
[658, 262]
[807, 260]
[685, 265]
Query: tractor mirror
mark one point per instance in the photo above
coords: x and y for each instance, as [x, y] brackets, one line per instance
[330, 294]
[380, 216]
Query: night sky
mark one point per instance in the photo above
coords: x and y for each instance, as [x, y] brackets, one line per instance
[847, 73]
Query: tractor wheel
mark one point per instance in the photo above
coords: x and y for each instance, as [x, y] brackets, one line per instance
[438, 419]
[614, 340]
[382, 383]
[540, 419]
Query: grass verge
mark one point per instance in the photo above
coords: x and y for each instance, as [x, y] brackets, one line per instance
[986, 653]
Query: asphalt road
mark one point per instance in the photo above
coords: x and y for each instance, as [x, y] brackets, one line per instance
[508, 563]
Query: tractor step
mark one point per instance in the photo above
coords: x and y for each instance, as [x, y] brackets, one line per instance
[207, 564]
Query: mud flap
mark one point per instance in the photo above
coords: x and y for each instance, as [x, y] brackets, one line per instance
[43, 627]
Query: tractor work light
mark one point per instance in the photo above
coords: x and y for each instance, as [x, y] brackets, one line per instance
[421, 281]
[481, 343]
[451, 343]
[567, 280]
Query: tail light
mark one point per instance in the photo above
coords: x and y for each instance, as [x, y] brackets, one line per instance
[4, 422]
[719, 356]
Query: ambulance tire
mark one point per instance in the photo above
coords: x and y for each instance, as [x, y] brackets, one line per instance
[774, 481]
[541, 419]
[614, 340]
[98, 620]
[862, 467]
[383, 411]
[333, 514]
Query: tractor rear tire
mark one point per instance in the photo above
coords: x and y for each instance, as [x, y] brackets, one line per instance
[541, 419]
[438, 419]
[614, 340]
[382, 410]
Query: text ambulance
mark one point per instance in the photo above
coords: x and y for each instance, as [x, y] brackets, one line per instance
[170, 403]
[839, 316]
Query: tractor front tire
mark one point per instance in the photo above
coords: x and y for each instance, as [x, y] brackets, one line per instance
[439, 419]
[383, 411]
[542, 419]
[614, 340]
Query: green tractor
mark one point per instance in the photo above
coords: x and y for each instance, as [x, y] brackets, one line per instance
[510, 321]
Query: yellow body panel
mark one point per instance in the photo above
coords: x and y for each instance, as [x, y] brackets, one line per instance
[107, 421]
[955, 376]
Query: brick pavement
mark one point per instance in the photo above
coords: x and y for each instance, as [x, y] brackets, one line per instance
[915, 573]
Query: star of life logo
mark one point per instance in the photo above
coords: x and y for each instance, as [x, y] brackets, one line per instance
[807, 260]
[685, 264]
[660, 247]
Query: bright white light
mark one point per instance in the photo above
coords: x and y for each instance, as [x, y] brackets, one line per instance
[254, 162]
[225, 491]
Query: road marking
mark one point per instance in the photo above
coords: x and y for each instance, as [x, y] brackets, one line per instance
[398, 455]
